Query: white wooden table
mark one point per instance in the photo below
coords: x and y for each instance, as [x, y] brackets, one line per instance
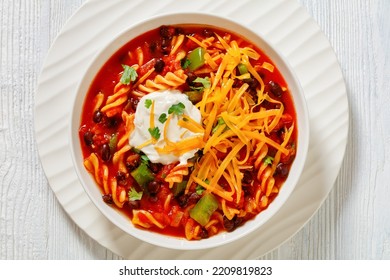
[353, 222]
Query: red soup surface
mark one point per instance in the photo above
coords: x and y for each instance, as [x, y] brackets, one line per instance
[241, 149]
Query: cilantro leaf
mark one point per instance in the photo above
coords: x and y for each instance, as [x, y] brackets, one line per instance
[185, 62]
[148, 103]
[162, 118]
[155, 132]
[176, 109]
[268, 160]
[204, 81]
[134, 195]
[129, 75]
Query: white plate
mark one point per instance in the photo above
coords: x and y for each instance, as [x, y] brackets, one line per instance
[283, 23]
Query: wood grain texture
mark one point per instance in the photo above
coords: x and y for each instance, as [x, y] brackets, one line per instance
[353, 222]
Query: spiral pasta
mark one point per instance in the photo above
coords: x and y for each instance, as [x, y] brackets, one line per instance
[92, 164]
[176, 174]
[114, 102]
[241, 150]
[145, 219]
[169, 81]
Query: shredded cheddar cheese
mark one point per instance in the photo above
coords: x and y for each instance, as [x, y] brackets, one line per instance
[240, 132]
[201, 132]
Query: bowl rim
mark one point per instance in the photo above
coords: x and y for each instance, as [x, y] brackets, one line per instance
[109, 49]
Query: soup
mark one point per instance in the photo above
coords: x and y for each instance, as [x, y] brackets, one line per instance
[189, 130]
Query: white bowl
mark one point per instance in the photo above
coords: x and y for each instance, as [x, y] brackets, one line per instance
[123, 221]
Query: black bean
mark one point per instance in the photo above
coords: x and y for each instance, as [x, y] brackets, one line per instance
[88, 138]
[282, 170]
[191, 77]
[133, 163]
[164, 31]
[229, 225]
[266, 104]
[133, 103]
[159, 65]
[134, 204]
[204, 233]
[107, 198]
[248, 190]
[232, 224]
[106, 152]
[253, 83]
[153, 47]
[188, 199]
[238, 221]
[165, 43]
[112, 122]
[155, 167]
[280, 133]
[247, 178]
[130, 166]
[237, 83]
[183, 200]
[275, 89]
[121, 178]
[167, 32]
[194, 198]
[179, 30]
[153, 187]
[97, 116]
[208, 33]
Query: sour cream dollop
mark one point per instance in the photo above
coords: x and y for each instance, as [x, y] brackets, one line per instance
[163, 101]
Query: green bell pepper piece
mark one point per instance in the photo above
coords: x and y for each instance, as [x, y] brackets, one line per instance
[113, 143]
[242, 69]
[142, 175]
[204, 208]
[196, 58]
[178, 188]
